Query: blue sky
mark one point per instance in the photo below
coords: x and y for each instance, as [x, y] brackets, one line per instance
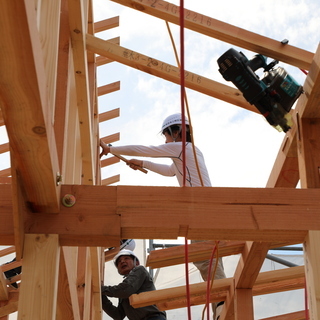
[239, 146]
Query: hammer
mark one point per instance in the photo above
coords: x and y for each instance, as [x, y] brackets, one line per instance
[126, 161]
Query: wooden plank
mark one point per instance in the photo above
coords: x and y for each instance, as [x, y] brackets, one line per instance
[78, 31]
[109, 161]
[65, 306]
[307, 107]
[223, 31]
[108, 115]
[262, 214]
[5, 172]
[110, 180]
[95, 255]
[26, 103]
[168, 72]
[9, 306]
[38, 295]
[197, 252]
[250, 263]
[299, 315]
[283, 279]
[4, 147]
[111, 138]
[108, 88]
[61, 99]
[49, 26]
[243, 304]
[106, 24]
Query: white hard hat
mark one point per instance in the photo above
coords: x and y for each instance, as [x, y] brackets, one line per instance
[172, 120]
[128, 244]
[124, 252]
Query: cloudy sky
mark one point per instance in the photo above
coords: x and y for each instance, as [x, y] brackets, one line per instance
[240, 147]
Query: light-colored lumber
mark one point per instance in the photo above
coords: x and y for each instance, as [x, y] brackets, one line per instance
[106, 24]
[108, 115]
[67, 293]
[167, 71]
[108, 88]
[111, 138]
[110, 180]
[10, 305]
[48, 26]
[224, 32]
[299, 315]
[197, 252]
[171, 298]
[77, 21]
[243, 304]
[36, 157]
[109, 161]
[309, 163]
[4, 147]
[95, 255]
[286, 164]
[38, 294]
[258, 214]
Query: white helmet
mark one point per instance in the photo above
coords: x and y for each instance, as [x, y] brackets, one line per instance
[128, 244]
[124, 252]
[172, 120]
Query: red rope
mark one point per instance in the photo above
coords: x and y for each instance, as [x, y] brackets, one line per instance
[186, 254]
[182, 98]
[304, 71]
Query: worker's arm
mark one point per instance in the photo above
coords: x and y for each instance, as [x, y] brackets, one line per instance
[116, 313]
[130, 285]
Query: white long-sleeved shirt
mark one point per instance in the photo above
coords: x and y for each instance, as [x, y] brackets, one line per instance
[171, 150]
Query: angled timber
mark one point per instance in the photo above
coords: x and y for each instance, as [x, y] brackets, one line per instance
[27, 103]
[166, 71]
[223, 31]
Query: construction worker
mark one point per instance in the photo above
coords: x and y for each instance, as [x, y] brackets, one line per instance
[172, 131]
[137, 279]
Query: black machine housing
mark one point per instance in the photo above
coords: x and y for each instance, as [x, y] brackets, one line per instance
[273, 95]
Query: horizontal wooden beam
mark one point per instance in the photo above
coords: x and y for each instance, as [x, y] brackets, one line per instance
[167, 71]
[223, 31]
[267, 282]
[108, 115]
[103, 214]
[197, 252]
[106, 24]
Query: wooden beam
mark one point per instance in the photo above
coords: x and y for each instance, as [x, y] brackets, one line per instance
[299, 315]
[77, 21]
[25, 106]
[111, 138]
[106, 24]
[265, 214]
[267, 282]
[38, 295]
[108, 88]
[197, 252]
[4, 147]
[108, 115]
[9, 306]
[223, 31]
[168, 72]
[110, 180]
[285, 169]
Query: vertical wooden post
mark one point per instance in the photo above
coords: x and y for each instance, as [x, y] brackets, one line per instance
[243, 304]
[309, 164]
[39, 281]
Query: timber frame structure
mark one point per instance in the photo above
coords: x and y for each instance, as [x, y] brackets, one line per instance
[48, 100]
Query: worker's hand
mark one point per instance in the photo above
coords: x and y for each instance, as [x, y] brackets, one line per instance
[135, 164]
[105, 148]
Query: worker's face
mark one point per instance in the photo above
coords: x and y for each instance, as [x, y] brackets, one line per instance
[125, 264]
[168, 137]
